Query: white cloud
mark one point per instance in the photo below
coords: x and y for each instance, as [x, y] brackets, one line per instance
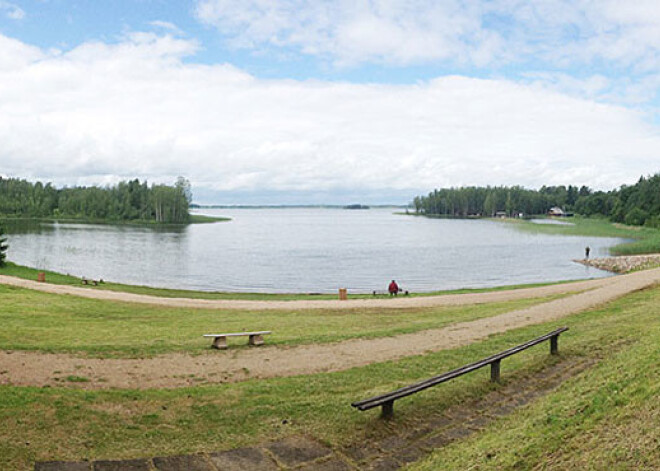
[134, 108]
[349, 32]
[15, 55]
[479, 32]
[167, 26]
[12, 11]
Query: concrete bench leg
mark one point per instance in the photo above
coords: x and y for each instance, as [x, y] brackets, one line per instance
[256, 340]
[220, 343]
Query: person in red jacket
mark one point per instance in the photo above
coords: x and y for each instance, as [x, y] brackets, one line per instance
[393, 288]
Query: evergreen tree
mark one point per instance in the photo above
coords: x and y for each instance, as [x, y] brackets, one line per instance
[3, 247]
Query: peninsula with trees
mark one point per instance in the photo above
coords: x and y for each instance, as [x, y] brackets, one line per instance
[130, 201]
[634, 205]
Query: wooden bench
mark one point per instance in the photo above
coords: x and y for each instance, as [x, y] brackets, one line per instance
[85, 281]
[386, 401]
[220, 340]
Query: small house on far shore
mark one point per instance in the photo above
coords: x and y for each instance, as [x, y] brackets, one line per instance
[558, 212]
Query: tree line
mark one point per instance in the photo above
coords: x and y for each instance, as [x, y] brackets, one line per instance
[126, 201]
[637, 204]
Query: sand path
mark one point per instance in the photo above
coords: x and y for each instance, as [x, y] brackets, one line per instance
[179, 370]
[396, 302]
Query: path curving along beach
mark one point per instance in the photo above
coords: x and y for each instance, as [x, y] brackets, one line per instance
[401, 302]
[25, 368]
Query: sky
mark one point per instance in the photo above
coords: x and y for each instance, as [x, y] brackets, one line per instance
[334, 102]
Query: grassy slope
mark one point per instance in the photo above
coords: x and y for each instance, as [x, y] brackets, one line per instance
[606, 419]
[33, 320]
[19, 271]
[608, 415]
[646, 240]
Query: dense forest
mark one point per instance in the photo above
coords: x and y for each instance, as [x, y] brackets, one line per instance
[127, 201]
[637, 204]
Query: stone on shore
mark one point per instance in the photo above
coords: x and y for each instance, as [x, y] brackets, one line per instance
[624, 263]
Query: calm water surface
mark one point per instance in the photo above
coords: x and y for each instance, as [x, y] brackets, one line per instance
[308, 250]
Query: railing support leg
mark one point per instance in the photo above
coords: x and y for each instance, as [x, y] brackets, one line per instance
[388, 410]
[554, 345]
[495, 371]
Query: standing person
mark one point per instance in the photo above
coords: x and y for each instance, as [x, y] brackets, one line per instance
[393, 288]
[586, 252]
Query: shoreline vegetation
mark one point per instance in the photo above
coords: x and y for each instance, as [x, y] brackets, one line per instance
[127, 202]
[193, 219]
[643, 240]
[634, 210]
[636, 205]
[29, 273]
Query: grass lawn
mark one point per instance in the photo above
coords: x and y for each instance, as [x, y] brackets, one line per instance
[645, 239]
[32, 320]
[20, 271]
[605, 417]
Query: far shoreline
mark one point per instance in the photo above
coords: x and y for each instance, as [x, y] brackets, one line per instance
[194, 219]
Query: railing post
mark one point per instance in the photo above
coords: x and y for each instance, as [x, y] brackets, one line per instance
[554, 344]
[495, 371]
[388, 410]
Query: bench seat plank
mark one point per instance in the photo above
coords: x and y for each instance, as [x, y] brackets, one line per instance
[239, 334]
[220, 340]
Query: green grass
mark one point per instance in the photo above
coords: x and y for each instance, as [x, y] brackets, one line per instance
[202, 219]
[194, 219]
[20, 271]
[76, 379]
[645, 239]
[606, 417]
[32, 320]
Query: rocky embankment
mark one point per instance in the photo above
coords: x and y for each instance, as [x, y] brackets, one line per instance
[623, 264]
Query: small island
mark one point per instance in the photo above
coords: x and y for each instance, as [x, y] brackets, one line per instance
[356, 206]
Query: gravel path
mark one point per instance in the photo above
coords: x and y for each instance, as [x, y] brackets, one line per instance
[180, 370]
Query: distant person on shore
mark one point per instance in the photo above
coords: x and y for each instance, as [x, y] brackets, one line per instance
[393, 288]
[586, 252]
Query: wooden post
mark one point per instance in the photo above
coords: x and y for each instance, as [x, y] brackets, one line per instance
[343, 294]
[554, 345]
[256, 340]
[41, 276]
[220, 343]
[388, 410]
[495, 371]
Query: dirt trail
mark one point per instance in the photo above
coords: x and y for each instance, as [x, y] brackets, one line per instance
[398, 302]
[179, 370]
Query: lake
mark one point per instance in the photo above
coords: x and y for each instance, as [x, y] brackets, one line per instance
[311, 250]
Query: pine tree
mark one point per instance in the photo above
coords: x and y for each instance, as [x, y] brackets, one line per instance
[3, 247]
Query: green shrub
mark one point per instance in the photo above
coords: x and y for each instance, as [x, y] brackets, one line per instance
[636, 217]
